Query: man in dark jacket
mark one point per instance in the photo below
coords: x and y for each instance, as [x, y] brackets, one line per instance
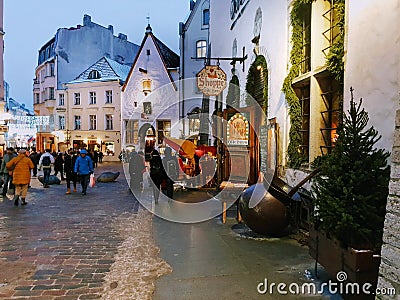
[35, 160]
[69, 164]
[171, 167]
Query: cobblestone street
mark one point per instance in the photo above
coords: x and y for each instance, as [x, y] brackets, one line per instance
[63, 246]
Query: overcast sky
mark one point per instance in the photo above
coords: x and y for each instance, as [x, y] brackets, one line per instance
[28, 25]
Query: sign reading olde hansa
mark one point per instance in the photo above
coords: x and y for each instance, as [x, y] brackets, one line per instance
[211, 80]
[238, 130]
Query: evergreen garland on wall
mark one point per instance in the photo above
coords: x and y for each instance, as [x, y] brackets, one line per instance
[334, 64]
[334, 61]
[295, 157]
[251, 84]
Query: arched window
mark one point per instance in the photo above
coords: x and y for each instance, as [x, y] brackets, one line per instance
[94, 74]
[201, 49]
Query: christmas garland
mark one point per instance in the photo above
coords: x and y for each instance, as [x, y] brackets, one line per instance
[251, 85]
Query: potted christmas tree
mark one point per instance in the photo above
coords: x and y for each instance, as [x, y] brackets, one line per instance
[350, 195]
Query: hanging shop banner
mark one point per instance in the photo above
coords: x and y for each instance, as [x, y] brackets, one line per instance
[211, 80]
[238, 130]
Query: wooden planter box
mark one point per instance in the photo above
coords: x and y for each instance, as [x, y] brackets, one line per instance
[361, 266]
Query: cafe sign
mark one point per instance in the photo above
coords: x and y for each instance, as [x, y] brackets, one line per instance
[211, 80]
[238, 130]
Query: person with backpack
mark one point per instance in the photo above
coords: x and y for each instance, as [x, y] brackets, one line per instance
[45, 162]
[171, 167]
[84, 168]
[157, 173]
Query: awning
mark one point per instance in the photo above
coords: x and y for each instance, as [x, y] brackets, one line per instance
[183, 147]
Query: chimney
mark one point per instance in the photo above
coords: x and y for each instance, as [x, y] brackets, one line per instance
[87, 20]
[192, 4]
[122, 36]
[111, 28]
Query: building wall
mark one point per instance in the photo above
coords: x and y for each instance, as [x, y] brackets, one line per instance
[1, 54]
[373, 62]
[273, 45]
[389, 276]
[78, 48]
[164, 95]
[192, 31]
[100, 109]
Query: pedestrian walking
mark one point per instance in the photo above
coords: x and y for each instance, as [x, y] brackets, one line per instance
[95, 157]
[84, 168]
[20, 167]
[101, 154]
[59, 165]
[46, 159]
[7, 176]
[34, 156]
[136, 169]
[69, 164]
[157, 173]
[171, 167]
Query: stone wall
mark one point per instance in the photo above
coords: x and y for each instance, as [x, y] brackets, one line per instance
[389, 276]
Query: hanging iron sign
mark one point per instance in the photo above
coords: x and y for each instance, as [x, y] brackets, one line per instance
[211, 80]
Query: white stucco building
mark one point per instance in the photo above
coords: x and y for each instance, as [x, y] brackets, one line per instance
[150, 98]
[92, 116]
[194, 44]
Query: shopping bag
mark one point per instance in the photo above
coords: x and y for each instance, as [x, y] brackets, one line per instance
[92, 181]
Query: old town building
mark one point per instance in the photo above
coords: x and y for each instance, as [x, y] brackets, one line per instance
[150, 100]
[60, 60]
[89, 117]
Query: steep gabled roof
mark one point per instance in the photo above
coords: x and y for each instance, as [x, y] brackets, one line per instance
[169, 58]
[109, 70]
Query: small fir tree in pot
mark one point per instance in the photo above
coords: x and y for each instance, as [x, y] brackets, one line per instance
[351, 190]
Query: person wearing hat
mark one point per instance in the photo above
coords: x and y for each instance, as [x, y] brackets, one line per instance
[84, 168]
[3, 170]
[21, 167]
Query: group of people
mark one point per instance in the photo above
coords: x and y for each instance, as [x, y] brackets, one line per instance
[163, 172]
[16, 170]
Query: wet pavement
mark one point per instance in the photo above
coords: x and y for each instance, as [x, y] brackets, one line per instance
[63, 246]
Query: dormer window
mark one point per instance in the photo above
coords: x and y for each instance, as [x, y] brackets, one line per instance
[94, 74]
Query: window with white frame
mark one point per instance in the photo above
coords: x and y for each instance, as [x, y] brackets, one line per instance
[131, 132]
[109, 122]
[61, 101]
[92, 97]
[77, 122]
[94, 74]
[92, 122]
[51, 69]
[201, 49]
[77, 98]
[61, 122]
[37, 98]
[109, 96]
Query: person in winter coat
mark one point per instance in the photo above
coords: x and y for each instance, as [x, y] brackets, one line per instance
[59, 165]
[136, 169]
[45, 161]
[21, 167]
[69, 164]
[157, 173]
[3, 170]
[171, 167]
[84, 168]
[34, 156]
